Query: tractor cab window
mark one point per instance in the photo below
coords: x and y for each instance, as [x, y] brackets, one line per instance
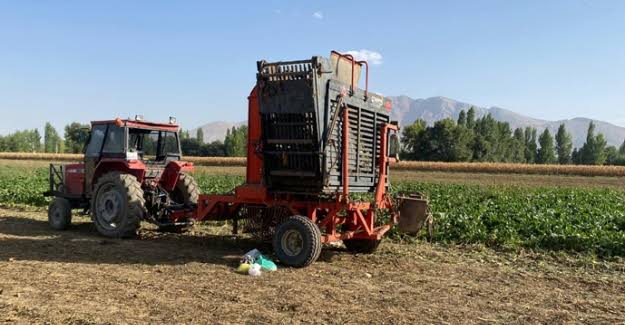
[114, 142]
[154, 145]
[95, 141]
[170, 143]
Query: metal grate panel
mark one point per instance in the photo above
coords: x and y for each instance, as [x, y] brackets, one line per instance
[301, 151]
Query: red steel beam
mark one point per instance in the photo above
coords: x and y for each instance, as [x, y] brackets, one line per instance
[345, 153]
[254, 161]
[384, 160]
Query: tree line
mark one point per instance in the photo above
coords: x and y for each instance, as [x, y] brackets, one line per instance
[51, 142]
[466, 139]
[485, 139]
[234, 145]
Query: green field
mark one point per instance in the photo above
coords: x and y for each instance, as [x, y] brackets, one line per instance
[569, 218]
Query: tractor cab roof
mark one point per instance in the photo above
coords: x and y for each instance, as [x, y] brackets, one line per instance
[137, 124]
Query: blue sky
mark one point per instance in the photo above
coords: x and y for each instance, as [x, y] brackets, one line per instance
[62, 61]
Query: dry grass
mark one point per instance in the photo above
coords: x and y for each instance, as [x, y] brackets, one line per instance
[509, 168]
[40, 156]
[27, 164]
[489, 168]
[217, 161]
[200, 161]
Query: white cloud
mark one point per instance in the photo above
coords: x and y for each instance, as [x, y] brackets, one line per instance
[372, 57]
[318, 15]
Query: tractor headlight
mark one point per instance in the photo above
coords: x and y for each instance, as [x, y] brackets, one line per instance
[172, 120]
[138, 117]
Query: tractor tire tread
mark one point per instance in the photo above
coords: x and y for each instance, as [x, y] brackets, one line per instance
[135, 204]
[188, 186]
[66, 217]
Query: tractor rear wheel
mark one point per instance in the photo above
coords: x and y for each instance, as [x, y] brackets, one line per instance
[297, 242]
[185, 192]
[362, 246]
[59, 214]
[118, 205]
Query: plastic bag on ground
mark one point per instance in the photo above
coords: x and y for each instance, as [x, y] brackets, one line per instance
[266, 264]
[255, 270]
[251, 256]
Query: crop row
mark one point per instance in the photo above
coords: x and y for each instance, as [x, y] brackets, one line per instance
[570, 219]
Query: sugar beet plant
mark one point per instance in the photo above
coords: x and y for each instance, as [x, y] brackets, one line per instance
[571, 219]
[23, 186]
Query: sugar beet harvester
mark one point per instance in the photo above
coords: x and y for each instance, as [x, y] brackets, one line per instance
[314, 138]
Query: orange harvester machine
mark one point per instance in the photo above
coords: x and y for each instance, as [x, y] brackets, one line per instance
[314, 138]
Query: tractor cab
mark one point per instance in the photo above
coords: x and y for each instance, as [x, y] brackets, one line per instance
[146, 148]
[134, 140]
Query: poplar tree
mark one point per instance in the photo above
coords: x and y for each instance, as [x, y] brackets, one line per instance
[564, 145]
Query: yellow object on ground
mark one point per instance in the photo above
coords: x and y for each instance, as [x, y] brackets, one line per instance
[244, 268]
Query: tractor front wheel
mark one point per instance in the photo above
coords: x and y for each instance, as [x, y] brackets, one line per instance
[297, 242]
[59, 214]
[118, 205]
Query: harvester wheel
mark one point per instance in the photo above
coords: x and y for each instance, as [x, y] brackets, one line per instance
[60, 214]
[186, 192]
[297, 242]
[118, 205]
[362, 246]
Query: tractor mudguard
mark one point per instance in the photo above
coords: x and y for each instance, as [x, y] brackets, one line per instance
[172, 171]
[132, 167]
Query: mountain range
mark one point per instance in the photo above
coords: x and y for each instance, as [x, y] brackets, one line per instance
[406, 110]
[216, 131]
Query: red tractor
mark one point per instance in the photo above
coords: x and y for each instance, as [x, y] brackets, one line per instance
[132, 171]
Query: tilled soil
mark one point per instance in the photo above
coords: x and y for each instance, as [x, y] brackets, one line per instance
[77, 277]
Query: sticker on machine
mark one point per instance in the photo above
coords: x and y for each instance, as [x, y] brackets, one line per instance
[377, 100]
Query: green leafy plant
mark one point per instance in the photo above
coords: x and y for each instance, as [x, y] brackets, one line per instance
[570, 219]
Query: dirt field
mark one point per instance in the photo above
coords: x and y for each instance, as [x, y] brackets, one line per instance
[77, 277]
